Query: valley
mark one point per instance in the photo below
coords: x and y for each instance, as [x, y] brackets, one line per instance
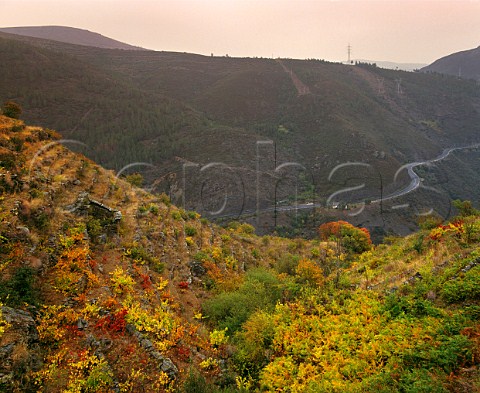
[175, 110]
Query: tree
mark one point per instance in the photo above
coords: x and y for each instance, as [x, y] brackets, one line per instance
[12, 109]
[352, 239]
[465, 208]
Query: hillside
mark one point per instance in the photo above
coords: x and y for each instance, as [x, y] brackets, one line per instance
[177, 111]
[464, 64]
[107, 288]
[69, 35]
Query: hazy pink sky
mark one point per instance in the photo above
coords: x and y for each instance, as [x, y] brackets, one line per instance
[402, 31]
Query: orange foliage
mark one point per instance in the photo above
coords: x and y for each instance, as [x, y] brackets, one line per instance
[332, 228]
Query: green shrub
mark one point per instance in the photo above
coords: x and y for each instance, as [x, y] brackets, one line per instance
[176, 215]
[94, 228]
[190, 231]
[448, 354]
[20, 288]
[261, 290]
[462, 289]
[420, 381]
[287, 264]
[403, 306]
[12, 109]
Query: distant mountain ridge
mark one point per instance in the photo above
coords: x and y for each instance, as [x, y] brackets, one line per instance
[391, 65]
[464, 64]
[70, 35]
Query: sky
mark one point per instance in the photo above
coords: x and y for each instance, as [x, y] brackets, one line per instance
[404, 31]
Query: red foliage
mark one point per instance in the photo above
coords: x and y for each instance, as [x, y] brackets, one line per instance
[166, 296]
[114, 322]
[183, 352]
[332, 228]
[92, 263]
[146, 281]
[367, 233]
[183, 285]
[74, 330]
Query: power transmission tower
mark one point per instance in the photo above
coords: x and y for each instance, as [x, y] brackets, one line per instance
[349, 50]
[380, 86]
[399, 86]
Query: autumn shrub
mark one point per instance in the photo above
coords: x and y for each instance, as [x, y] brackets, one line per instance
[114, 323]
[420, 381]
[165, 199]
[121, 281]
[196, 383]
[138, 254]
[135, 179]
[3, 323]
[8, 160]
[17, 143]
[353, 239]
[191, 215]
[352, 342]
[308, 272]
[418, 245]
[254, 344]
[176, 215]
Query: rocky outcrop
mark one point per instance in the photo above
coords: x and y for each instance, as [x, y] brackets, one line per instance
[19, 350]
[84, 205]
[164, 364]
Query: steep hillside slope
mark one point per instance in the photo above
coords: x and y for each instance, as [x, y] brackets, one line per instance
[110, 279]
[106, 288]
[464, 64]
[70, 35]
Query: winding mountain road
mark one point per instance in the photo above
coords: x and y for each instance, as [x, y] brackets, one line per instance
[414, 178]
[415, 182]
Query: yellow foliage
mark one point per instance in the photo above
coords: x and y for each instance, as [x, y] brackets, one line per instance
[3, 324]
[161, 284]
[89, 374]
[209, 364]
[121, 281]
[218, 337]
[309, 272]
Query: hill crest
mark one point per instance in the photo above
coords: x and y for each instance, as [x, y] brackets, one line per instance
[464, 64]
[70, 35]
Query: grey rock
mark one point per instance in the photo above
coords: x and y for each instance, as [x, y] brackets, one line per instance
[169, 368]
[197, 269]
[157, 356]
[24, 230]
[82, 324]
[6, 351]
[82, 283]
[21, 321]
[146, 344]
